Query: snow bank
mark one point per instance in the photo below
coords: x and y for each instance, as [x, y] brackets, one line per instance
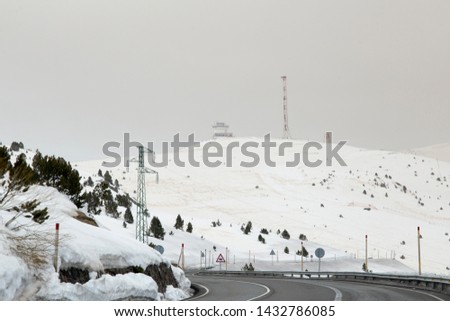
[107, 287]
[82, 246]
[183, 292]
[14, 275]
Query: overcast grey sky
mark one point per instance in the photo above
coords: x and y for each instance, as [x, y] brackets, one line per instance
[75, 74]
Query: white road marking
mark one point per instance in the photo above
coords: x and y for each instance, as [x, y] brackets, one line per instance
[200, 296]
[411, 290]
[338, 296]
[251, 299]
[257, 284]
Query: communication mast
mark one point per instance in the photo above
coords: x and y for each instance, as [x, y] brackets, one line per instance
[286, 134]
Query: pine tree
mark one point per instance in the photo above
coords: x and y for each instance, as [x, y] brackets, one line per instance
[111, 208]
[93, 202]
[39, 216]
[15, 146]
[189, 228]
[286, 250]
[261, 239]
[303, 237]
[108, 177]
[90, 182]
[21, 176]
[303, 252]
[4, 161]
[100, 173]
[179, 223]
[58, 173]
[128, 217]
[285, 235]
[156, 228]
[248, 228]
[123, 200]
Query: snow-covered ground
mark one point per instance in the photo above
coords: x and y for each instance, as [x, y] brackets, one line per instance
[81, 245]
[327, 204]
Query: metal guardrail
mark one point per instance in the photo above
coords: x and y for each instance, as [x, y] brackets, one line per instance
[441, 285]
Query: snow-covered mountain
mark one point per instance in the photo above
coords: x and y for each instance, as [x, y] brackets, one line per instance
[383, 194]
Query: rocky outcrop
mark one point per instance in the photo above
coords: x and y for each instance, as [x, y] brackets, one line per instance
[74, 275]
[161, 274]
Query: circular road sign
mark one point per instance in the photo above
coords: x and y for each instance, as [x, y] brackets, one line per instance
[320, 252]
[159, 248]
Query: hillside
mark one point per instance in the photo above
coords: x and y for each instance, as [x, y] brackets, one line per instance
[93, 263]
[383, 194]
[440, 152]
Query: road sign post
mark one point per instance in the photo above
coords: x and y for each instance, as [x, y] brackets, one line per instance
[202, 255]
[272, 253]
[220, 260]
[418, 244]
[320, 253]
[181, 258]
[55, 259]
[366, 261]
[226, 259]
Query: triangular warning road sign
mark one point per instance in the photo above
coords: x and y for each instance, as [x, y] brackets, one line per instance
[272, 252]
[220, 259]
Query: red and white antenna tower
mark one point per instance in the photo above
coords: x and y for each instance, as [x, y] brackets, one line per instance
[286, 134]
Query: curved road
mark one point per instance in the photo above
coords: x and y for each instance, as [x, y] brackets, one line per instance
[268, 289]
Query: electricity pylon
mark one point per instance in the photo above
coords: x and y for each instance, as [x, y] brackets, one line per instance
[142, 211]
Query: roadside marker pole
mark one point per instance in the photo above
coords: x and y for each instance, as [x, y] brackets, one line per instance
[181, 257]
[226, 259]
[55, 259]
[301, 257]
[418, 243]
[367, 265]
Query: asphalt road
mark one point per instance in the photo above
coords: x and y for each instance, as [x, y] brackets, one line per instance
[268, 289]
